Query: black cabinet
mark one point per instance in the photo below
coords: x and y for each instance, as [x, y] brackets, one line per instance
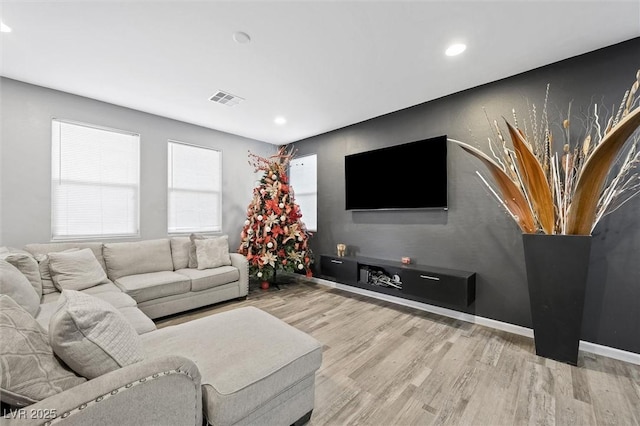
[437, 286]
[342, 269]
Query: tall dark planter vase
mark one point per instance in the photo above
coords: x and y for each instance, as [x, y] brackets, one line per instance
[557, 267]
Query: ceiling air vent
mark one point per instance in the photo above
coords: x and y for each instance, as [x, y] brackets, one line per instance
[225, 98]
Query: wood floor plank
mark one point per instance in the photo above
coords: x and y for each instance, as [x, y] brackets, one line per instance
[385, 364]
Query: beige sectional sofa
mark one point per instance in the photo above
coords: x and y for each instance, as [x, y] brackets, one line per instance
[240, 367]
[156, 275]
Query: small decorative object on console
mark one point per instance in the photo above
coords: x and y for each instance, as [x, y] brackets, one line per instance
[406, 260]
[342, 248]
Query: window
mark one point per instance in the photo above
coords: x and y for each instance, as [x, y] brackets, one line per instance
[195, 195]
[95, 182]
[303, 179]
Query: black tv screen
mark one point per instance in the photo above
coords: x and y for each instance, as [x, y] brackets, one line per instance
[408, 176]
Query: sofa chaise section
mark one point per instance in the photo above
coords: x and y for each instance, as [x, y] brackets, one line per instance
[255, 368]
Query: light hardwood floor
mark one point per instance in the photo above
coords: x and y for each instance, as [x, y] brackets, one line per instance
[385, 364]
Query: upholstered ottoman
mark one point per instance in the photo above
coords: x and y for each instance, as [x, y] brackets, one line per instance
[255, 368]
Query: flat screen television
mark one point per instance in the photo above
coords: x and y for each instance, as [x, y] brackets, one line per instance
[407, 176]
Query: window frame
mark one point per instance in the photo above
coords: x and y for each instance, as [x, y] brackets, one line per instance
[89, 237]
[296, 192]
[220, 203]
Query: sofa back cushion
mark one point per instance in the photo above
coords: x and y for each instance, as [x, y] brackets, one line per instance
[92, 336]
[138, 257]
[14, 284]
[180, 252]
[29, 371]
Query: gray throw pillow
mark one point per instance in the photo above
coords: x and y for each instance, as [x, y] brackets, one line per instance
[29, 371]
[76, 270]
[14, 284]
[91, 336]
[26, 264]
[213, 252]
[193, 256]
[45, 272]
[180, 252]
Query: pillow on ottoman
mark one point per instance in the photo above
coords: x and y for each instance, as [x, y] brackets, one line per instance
[76, 270]
[14, 284]
[92, 336]
[29, 371]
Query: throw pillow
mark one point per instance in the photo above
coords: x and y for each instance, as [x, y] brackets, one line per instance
[29, 371]
[18, 287]
[45, 272]
[180, 252]
[212, 252]
[76, 270]
[26, 264]
[91, 336]
[193, 257]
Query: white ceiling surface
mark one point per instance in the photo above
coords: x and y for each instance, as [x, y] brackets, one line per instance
[323, 65]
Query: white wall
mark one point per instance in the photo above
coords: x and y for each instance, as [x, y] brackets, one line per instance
[25, 161]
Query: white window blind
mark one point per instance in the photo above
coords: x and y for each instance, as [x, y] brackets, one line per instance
[95, 178]
[303, 179]
[195, 194]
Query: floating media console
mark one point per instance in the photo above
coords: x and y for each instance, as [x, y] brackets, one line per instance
[448, 288]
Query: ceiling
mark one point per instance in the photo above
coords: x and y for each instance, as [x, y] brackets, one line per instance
[321, 64]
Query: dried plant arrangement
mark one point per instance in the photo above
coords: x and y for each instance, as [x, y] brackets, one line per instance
[565, 189]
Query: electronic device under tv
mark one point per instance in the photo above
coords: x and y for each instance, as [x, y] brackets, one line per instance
[407, 176]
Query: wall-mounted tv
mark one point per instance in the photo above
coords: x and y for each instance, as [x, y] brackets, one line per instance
[407, 176]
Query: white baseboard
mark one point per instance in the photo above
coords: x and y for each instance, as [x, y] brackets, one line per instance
[594, 348]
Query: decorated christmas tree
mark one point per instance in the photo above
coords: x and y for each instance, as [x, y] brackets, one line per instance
[274, 236]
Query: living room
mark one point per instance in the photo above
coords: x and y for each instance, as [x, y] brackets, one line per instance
[118, 85]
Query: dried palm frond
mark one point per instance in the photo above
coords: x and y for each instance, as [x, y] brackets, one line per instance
[512, 197]
[534, 180]
[582, 212]
[566, 192]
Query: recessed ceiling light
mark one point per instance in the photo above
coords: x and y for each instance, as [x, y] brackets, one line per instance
[280, 120]
[241, 37]
[4, 28]
[455, 49]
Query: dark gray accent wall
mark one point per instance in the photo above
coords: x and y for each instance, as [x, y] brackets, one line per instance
[25, 161]
[476, 234]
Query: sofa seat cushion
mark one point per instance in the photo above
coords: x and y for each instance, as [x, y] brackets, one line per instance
[115, 298]
[107, 287]
[138, 320]
[246, 357]
[209, 278]
[153, 285]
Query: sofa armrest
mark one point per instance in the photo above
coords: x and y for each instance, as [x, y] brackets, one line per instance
[240, 262]
[164, 390]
